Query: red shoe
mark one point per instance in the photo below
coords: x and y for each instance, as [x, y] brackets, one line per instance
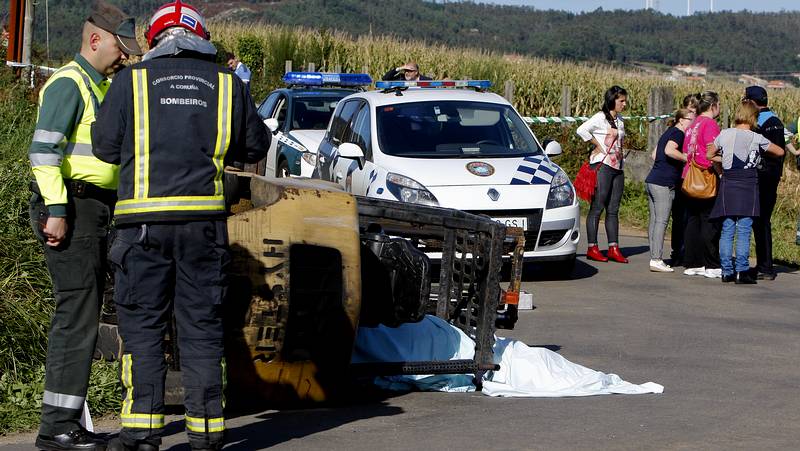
[616, 255]
[593, 253]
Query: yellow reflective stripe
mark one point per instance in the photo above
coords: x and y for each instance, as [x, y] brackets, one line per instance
[177, 203]
[127, 382]
[142, 420]
[224, 366]
[141, 136]
[223, 127]
[202, 425]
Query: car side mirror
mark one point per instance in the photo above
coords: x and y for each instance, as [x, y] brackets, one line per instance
[352, 151]
[552, 148]
[272, 124]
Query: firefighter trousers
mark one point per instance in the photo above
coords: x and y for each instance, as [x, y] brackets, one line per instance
[166, 269]
[77, 270]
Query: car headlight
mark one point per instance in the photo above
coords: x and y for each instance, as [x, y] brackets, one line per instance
[409, 190]
[561, 192]
[310, 158]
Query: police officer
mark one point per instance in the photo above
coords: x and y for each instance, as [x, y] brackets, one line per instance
[172, 123]
[769, 176]
[73, 196]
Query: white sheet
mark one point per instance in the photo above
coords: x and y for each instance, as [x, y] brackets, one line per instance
[524, 371]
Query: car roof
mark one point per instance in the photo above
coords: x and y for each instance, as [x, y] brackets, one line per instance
[379, 98]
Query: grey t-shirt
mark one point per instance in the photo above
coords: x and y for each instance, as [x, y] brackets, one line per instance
[741, 149]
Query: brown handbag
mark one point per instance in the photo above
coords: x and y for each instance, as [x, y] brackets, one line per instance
[700, 183]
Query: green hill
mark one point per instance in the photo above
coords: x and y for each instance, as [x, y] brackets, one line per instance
[725, 41]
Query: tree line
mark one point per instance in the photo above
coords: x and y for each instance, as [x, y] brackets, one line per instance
[724, 41]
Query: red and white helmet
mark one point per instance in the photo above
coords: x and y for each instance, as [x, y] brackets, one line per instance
[176, 14]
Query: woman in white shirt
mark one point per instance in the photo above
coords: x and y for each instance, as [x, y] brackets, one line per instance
[606, 131]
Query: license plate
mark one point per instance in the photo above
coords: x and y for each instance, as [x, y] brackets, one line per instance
[514, 222]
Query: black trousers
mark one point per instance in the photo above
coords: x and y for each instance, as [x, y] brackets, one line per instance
[607, 196]
[701, 237]
[77, 270]
[164, 270]
[678, 223]
[762, 225]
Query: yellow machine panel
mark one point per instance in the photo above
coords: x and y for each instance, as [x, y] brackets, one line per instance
[293, 312]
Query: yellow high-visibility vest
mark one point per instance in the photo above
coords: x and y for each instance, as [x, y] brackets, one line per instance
[77, 162]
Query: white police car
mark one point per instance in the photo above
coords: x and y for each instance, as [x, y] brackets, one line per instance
[297, 116]
[456, 148]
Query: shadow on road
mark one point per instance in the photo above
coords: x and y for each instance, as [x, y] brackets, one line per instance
[273, 428]
[541, 271]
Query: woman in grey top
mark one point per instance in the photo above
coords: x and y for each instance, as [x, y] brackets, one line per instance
[739, 149]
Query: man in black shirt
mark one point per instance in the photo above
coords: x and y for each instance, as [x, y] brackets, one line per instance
[769, 175]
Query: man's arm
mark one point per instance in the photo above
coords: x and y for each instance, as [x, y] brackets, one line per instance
[59, 114]
[108, 131]
[252, 139]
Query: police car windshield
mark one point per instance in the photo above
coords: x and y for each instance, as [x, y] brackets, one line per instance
[453, 129]
[313, 113]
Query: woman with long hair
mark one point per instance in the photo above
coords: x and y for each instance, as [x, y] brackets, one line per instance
[701, 236]
[661, 184]
[606, 131]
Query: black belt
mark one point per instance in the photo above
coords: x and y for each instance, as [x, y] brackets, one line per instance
[83, 190]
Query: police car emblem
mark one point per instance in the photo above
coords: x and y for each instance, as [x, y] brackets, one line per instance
[480, 168]
[493, 194]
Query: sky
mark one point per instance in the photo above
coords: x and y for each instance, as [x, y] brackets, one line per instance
[675, 7]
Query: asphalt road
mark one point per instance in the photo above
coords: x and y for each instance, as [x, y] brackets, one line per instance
[728, 356]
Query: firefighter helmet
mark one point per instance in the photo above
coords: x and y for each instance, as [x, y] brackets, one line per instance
[176, 14]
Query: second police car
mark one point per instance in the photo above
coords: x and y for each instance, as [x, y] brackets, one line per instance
[298, 115]
[458, 148]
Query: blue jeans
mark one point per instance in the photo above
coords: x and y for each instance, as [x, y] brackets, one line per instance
[741, 226]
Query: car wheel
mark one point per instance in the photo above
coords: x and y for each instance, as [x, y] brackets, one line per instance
[283, 169]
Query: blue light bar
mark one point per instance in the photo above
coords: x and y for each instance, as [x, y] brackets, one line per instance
[326, 79]
[482, 84]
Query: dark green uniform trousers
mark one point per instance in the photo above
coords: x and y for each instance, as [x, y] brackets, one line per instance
[77, 271]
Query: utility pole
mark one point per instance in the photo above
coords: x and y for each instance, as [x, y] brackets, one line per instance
[27, 40]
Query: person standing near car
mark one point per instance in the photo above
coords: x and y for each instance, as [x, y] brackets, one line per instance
[172, 142]
[73, 197]
[662, 183]
[606, 131]
[407, 72]
[701, 236]
[240, 69]
[769, 176]
[739, 150]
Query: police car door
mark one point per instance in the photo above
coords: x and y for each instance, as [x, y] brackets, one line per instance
[339, 129]
[357, 172]
[279, 113]
[264, 112]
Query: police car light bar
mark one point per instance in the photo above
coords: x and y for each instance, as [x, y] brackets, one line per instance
[480, 84]
[326, 79]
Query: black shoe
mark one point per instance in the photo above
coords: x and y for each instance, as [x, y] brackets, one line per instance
[74, 440]
[745, 278]
[118, 445]
[766, 276]
[728, 278]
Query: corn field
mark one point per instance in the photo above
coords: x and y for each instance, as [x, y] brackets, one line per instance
[538, 86]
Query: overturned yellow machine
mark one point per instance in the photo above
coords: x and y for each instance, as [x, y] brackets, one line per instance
[312, 263]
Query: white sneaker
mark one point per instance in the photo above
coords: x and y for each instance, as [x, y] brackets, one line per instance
[701, 271]
[660, 266]
[713, 273]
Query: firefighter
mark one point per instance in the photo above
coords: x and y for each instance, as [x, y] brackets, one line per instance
[172, 123]
[70, 208]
